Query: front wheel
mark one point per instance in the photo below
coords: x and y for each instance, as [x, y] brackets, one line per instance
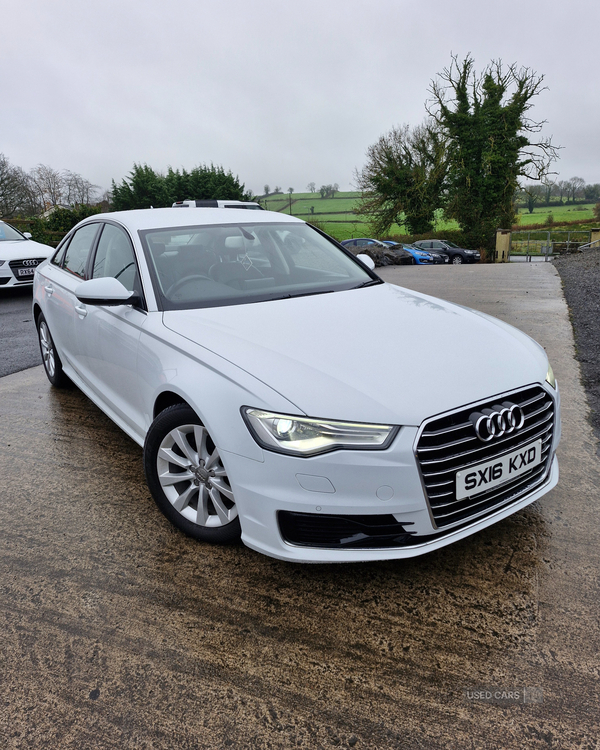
[50, 358]
[187, 478]
[457, 260]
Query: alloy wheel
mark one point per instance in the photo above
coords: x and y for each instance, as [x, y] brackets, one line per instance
[47, 349]
[193, 478]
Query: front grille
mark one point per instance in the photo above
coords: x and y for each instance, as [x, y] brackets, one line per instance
[342, 532]
[449, 444]
[29, 264]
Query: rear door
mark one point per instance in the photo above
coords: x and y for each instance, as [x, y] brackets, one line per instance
[61, 307]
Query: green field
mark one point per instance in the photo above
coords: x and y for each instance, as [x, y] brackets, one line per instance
[336, 215]
[560, 212]
[301, 203]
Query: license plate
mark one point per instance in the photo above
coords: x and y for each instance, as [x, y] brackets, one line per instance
[26, 271]
[490, 474]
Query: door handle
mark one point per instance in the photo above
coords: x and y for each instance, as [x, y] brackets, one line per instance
[49, 290]
[81, 310]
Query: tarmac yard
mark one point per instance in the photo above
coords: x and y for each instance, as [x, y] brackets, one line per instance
[116, 631]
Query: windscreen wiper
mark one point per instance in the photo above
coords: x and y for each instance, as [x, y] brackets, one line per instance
[371, 282]
[302, 294]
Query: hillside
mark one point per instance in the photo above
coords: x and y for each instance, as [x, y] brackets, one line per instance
[336, 215]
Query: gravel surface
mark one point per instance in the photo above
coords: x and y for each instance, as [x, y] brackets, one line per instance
[580, 275]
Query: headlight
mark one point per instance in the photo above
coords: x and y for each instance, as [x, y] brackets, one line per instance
[301, 436]
[550, 377]
[2, 262]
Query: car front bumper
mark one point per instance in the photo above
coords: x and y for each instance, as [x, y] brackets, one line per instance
[349, 484]
[8, 279]
[18, 272]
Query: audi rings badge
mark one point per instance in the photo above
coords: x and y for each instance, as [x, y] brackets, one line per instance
[497, 421]
[30, 262]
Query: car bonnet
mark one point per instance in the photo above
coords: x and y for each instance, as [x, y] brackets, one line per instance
[381, 354]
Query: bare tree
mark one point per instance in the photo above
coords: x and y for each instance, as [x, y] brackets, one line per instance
[311, 187]
[548, 186]
[267, 189]
[576, 185]
[562, 188]
[49, 185]
[10, 192]
[17, 195]
[77, 190]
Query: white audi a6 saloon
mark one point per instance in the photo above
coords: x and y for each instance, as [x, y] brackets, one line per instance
[265, 369]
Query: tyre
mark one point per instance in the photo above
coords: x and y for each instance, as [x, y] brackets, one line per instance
[50, 358]
[187, 478]
[457, 260]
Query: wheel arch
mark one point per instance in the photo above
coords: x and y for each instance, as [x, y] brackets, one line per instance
[166, 399]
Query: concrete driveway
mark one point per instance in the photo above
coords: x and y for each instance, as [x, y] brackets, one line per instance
[119, 632]
[19, 348]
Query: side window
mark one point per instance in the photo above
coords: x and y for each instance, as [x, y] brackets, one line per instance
[115, 257]
[57, 258]
[79, 248]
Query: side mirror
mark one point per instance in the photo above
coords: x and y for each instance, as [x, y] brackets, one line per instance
[27, 235]
[367, 260]
[106, 291]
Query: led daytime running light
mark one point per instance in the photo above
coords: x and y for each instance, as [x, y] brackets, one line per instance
[302, 436]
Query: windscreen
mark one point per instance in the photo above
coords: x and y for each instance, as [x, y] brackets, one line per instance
[229, 264]
[7, 233]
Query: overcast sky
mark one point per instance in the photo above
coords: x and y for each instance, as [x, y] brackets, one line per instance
[278, 92]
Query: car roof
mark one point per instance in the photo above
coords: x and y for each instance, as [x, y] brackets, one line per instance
[164, 218]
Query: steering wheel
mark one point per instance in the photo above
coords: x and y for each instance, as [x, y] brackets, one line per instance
[185, 280]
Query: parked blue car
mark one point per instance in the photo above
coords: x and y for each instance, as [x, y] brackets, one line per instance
[422, 257]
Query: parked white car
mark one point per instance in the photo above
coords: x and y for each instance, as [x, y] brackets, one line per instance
[284, 393]
[19, 256]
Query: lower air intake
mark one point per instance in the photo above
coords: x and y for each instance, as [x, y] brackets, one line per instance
[342, 532]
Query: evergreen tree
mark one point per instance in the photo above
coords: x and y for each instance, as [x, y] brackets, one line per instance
[403, 179]
[144, 187]
[488, 133]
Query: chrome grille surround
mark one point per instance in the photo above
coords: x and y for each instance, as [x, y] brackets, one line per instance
[447, 443]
